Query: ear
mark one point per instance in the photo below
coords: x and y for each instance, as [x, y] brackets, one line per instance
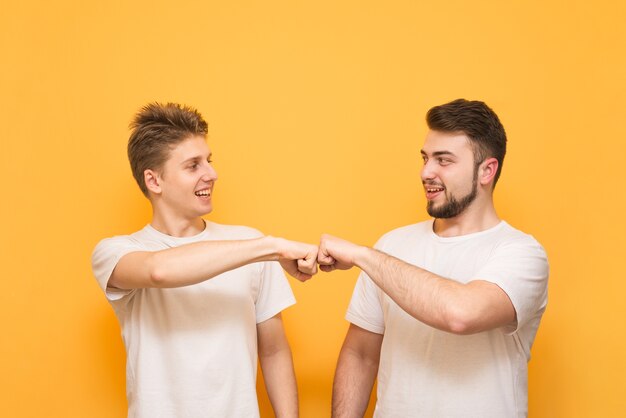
[152, 180]
[487, 171]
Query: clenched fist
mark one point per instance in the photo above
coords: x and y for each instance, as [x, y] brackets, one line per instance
[336, 253]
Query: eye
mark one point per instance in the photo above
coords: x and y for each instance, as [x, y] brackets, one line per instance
[443, 161]
[193, 166]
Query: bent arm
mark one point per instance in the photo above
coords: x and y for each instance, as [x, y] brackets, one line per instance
[193, 263]
[356, 372]
[459, 308]
[277, 367]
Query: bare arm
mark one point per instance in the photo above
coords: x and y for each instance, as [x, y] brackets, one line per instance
[199, 261]
[356, 371]
[277, 367]
[437, 301]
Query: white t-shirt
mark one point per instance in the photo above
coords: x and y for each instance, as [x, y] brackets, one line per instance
[192, 351]
[425, 372]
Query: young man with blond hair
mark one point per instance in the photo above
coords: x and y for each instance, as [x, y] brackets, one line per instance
[197, 301]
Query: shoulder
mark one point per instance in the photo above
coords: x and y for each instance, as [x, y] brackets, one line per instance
[232, 232]
[516, 248]
[404, 233]
[510, 236]
[108, 252]
[116, 241]
[118, 244]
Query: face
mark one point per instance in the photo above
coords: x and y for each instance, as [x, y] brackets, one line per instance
[187, 178]
[449, 174]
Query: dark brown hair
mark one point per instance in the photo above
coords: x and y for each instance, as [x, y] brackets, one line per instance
[156, 129]
[476, 120]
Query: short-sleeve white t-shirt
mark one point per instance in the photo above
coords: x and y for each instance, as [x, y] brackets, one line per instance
[425, 372]
[192, 351]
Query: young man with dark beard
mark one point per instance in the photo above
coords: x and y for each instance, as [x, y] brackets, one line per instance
[445, 311]
[197, 301]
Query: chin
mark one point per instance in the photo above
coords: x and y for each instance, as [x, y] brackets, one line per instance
[204, 212]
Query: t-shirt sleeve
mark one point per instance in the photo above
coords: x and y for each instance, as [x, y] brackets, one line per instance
[275, 294]
[105, 257]
[520, 268]
[365, 309]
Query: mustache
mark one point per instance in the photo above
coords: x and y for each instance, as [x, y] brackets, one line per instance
[432, 183]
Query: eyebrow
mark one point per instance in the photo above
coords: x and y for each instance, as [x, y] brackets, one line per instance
[196, 158]
[439, 153]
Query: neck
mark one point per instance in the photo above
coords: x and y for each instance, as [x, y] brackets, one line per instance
[177, 226]
[476, 218]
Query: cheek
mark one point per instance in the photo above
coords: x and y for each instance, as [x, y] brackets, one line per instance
[458, 181]
[179, 183]
[186, 177]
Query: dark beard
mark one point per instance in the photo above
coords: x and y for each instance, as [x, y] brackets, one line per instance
[454, 207]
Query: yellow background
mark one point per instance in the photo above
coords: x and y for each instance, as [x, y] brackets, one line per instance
[316, 116]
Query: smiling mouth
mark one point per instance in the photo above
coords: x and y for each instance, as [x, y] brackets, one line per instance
[434, 189]
[203, 193]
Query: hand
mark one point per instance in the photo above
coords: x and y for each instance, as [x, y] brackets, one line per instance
[336, 253]
[298, 259]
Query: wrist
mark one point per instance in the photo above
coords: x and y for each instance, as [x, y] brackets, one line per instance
[274, 247]
[362, 255]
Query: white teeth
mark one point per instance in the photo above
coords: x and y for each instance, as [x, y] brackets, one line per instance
[203, 193]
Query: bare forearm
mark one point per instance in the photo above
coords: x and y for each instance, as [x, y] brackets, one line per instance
[422, 294]
[191, 263]
[197, 262]
[277, 367]
[352, 386]
[280, 382]
[460, 308]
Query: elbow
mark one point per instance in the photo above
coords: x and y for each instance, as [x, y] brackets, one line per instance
[156, 278]
[460, 321]
[274, 351]
[459, 327]
[157, 275]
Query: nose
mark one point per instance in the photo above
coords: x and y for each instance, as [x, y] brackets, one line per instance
[427, 172]
[209, 174]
